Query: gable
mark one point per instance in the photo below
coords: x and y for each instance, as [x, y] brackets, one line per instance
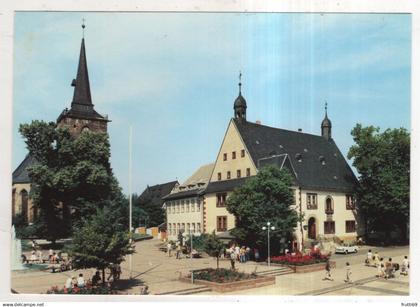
[232, 142]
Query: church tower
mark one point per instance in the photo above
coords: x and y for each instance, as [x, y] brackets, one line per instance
[326, 126]
[239, 106]
[82, 116]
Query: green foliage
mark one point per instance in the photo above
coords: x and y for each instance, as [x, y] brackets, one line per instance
[99, 241]
[222, 275]
[213, 246]
[264, 197]
[383, 162]
[148, 213]
[74, 171]
[140, 236]
[198, 242]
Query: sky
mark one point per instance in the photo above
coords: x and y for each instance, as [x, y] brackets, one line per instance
[173, 77]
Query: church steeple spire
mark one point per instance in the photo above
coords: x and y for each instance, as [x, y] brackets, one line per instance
[81, 84]
[82, 116]
[239, 105]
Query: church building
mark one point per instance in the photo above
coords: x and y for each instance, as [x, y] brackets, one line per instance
[79, 118]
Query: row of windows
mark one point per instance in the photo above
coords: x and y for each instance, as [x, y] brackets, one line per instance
[312, 203]
[238, 174]
[225, 155]
[329, 227]
[181, 206]
[176, 228]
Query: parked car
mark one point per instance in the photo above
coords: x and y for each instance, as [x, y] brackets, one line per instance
[346, 248]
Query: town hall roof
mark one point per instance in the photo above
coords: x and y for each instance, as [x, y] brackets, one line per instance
[315, 162]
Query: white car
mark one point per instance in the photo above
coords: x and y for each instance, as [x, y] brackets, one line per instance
[346, 248]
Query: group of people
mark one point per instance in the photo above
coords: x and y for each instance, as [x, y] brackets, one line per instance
[79, 282]
[241, 254]
[386, 269]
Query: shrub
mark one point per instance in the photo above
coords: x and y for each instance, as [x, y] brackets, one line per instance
[88, 290]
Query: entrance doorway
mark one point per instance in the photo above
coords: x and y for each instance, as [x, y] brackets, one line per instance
[312, 228]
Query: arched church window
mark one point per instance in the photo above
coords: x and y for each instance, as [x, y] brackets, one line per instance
[24, 198]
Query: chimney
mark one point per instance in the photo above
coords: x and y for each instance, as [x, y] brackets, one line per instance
[258, 122]
[300, 129]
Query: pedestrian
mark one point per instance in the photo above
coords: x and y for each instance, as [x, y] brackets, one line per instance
[50, 254]
[256, 255]
[369, 258]
[40, 256]
[96, 279]
[376, 259]
[248, 253]
[169, 247]
[328, 275]
[405, 266]
[33, 245]
[389, 269]
[381, 271]
[237, 252]
[242, 255]
[69, 283]
[178, 251]
[80, 281]
[232, 260]
[348, 273]
[118, 271]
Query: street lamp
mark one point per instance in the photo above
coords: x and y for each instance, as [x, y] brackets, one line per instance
[268, 239]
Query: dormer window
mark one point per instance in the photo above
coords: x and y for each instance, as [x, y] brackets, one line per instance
[298, 157]
[322, 160]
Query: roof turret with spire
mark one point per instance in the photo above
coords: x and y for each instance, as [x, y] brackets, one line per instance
[326, 125]
[239, 106]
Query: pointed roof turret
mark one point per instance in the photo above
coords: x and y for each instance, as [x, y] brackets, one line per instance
[239, 106]
[326, 125]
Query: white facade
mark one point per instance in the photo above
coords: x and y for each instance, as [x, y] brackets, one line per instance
[183, 215]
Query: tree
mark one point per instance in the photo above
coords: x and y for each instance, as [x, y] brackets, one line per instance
[72, 176]
[99, 241]
[213, 246]
[150, 209]
[262, 198]
[383, 162]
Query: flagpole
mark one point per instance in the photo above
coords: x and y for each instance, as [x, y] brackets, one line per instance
[130, 196]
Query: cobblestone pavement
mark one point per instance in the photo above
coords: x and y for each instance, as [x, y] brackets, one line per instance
[161, 273]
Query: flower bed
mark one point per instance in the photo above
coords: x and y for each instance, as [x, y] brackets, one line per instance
[76, 290]
[299, 259]
[224, 280]
[222, 275]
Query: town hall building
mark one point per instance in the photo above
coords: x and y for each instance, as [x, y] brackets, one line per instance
[324, 183]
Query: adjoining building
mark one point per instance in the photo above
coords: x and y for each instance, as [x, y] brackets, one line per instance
[184, 205]
[80, 118]
[151, 201]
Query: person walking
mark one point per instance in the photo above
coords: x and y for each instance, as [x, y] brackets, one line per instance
[405, 266]
[376, 259]
[178, 251]
[348, 273]
[256, 255]
[232, 260]
[169, 248]
[369, 258]
[328, 275]
[96, 279]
